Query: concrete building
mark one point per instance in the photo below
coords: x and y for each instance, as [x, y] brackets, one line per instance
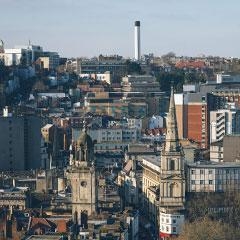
[25, 55]
[20, 143]
[213, 177]
[216, 151]
[231, 150]
[193, 114]
[117, 67]
[222, 122]
[140, 83]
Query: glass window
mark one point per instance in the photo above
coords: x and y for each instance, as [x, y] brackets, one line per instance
[201, 171]
[193, 171]
[201, 182]
[210, 182]
[174, 229]
[193, 182]
[210, 171]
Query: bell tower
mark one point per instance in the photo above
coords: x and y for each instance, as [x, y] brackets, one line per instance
[83, 180]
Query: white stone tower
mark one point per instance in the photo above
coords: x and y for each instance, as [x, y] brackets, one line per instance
[83, 180]
[172, 178]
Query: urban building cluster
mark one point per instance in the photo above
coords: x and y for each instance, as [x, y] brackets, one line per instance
[114, 148]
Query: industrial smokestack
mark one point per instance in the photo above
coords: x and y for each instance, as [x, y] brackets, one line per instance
[137, 46]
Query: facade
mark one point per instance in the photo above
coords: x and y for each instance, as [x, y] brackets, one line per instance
[222, 122]
[117, 67]
[25, 55]
[170, 224]
[213, 177]
[216, 151]
[155, 122]
[83, 181]
[150, 187]
[140, 83]
[231, 151]
[20, 143]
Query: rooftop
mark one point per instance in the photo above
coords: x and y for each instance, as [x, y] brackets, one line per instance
[211, 164]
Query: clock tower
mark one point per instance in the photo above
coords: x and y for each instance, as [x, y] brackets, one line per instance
[83, 180]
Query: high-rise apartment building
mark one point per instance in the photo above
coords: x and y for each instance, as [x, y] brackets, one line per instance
[20, 143]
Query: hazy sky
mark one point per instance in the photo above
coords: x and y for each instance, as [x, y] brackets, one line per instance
[90, 27]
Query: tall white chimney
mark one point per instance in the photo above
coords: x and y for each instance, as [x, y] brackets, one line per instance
[137, 46]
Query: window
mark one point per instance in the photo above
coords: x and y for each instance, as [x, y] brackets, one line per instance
[193, 182]
[201, 171]
[172, 164]
[201, 182]
[210, 171]
[174, 229]
[193, 171]
[167, 220]
[210, 182]
[174, 220]
[167, 229]
[171, 190]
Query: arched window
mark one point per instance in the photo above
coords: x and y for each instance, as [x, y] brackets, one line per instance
[172, 164]
[171, 190]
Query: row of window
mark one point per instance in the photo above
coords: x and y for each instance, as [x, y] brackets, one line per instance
[167, 220]
[174, 229]
[218, 171]
[210, 182]
[219, 181]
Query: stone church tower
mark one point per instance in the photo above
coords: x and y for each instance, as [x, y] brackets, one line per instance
[172, 178]
[83, 180]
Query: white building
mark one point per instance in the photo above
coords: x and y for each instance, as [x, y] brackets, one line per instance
[213, 177]
[155, 122]
[221, 123]
[170, 224]
[21, 55]
[216, 151]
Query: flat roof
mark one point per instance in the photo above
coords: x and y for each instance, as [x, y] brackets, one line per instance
[211, 164]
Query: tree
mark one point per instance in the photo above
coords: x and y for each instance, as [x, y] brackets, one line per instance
[133, 67]
[206, 228]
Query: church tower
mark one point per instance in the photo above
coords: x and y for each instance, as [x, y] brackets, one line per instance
[172, 179]
[83, 180]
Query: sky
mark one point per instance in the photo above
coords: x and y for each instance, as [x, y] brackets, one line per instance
[88, 28]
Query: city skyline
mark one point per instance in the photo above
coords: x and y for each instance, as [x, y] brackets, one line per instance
[79, 28]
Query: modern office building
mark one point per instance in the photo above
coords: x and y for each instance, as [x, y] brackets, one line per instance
[223, 122]
[213, 177]
[20, 143]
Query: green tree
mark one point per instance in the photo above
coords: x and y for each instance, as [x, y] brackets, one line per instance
[133, 67]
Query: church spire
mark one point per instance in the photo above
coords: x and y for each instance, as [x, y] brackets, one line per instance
[172, 141]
